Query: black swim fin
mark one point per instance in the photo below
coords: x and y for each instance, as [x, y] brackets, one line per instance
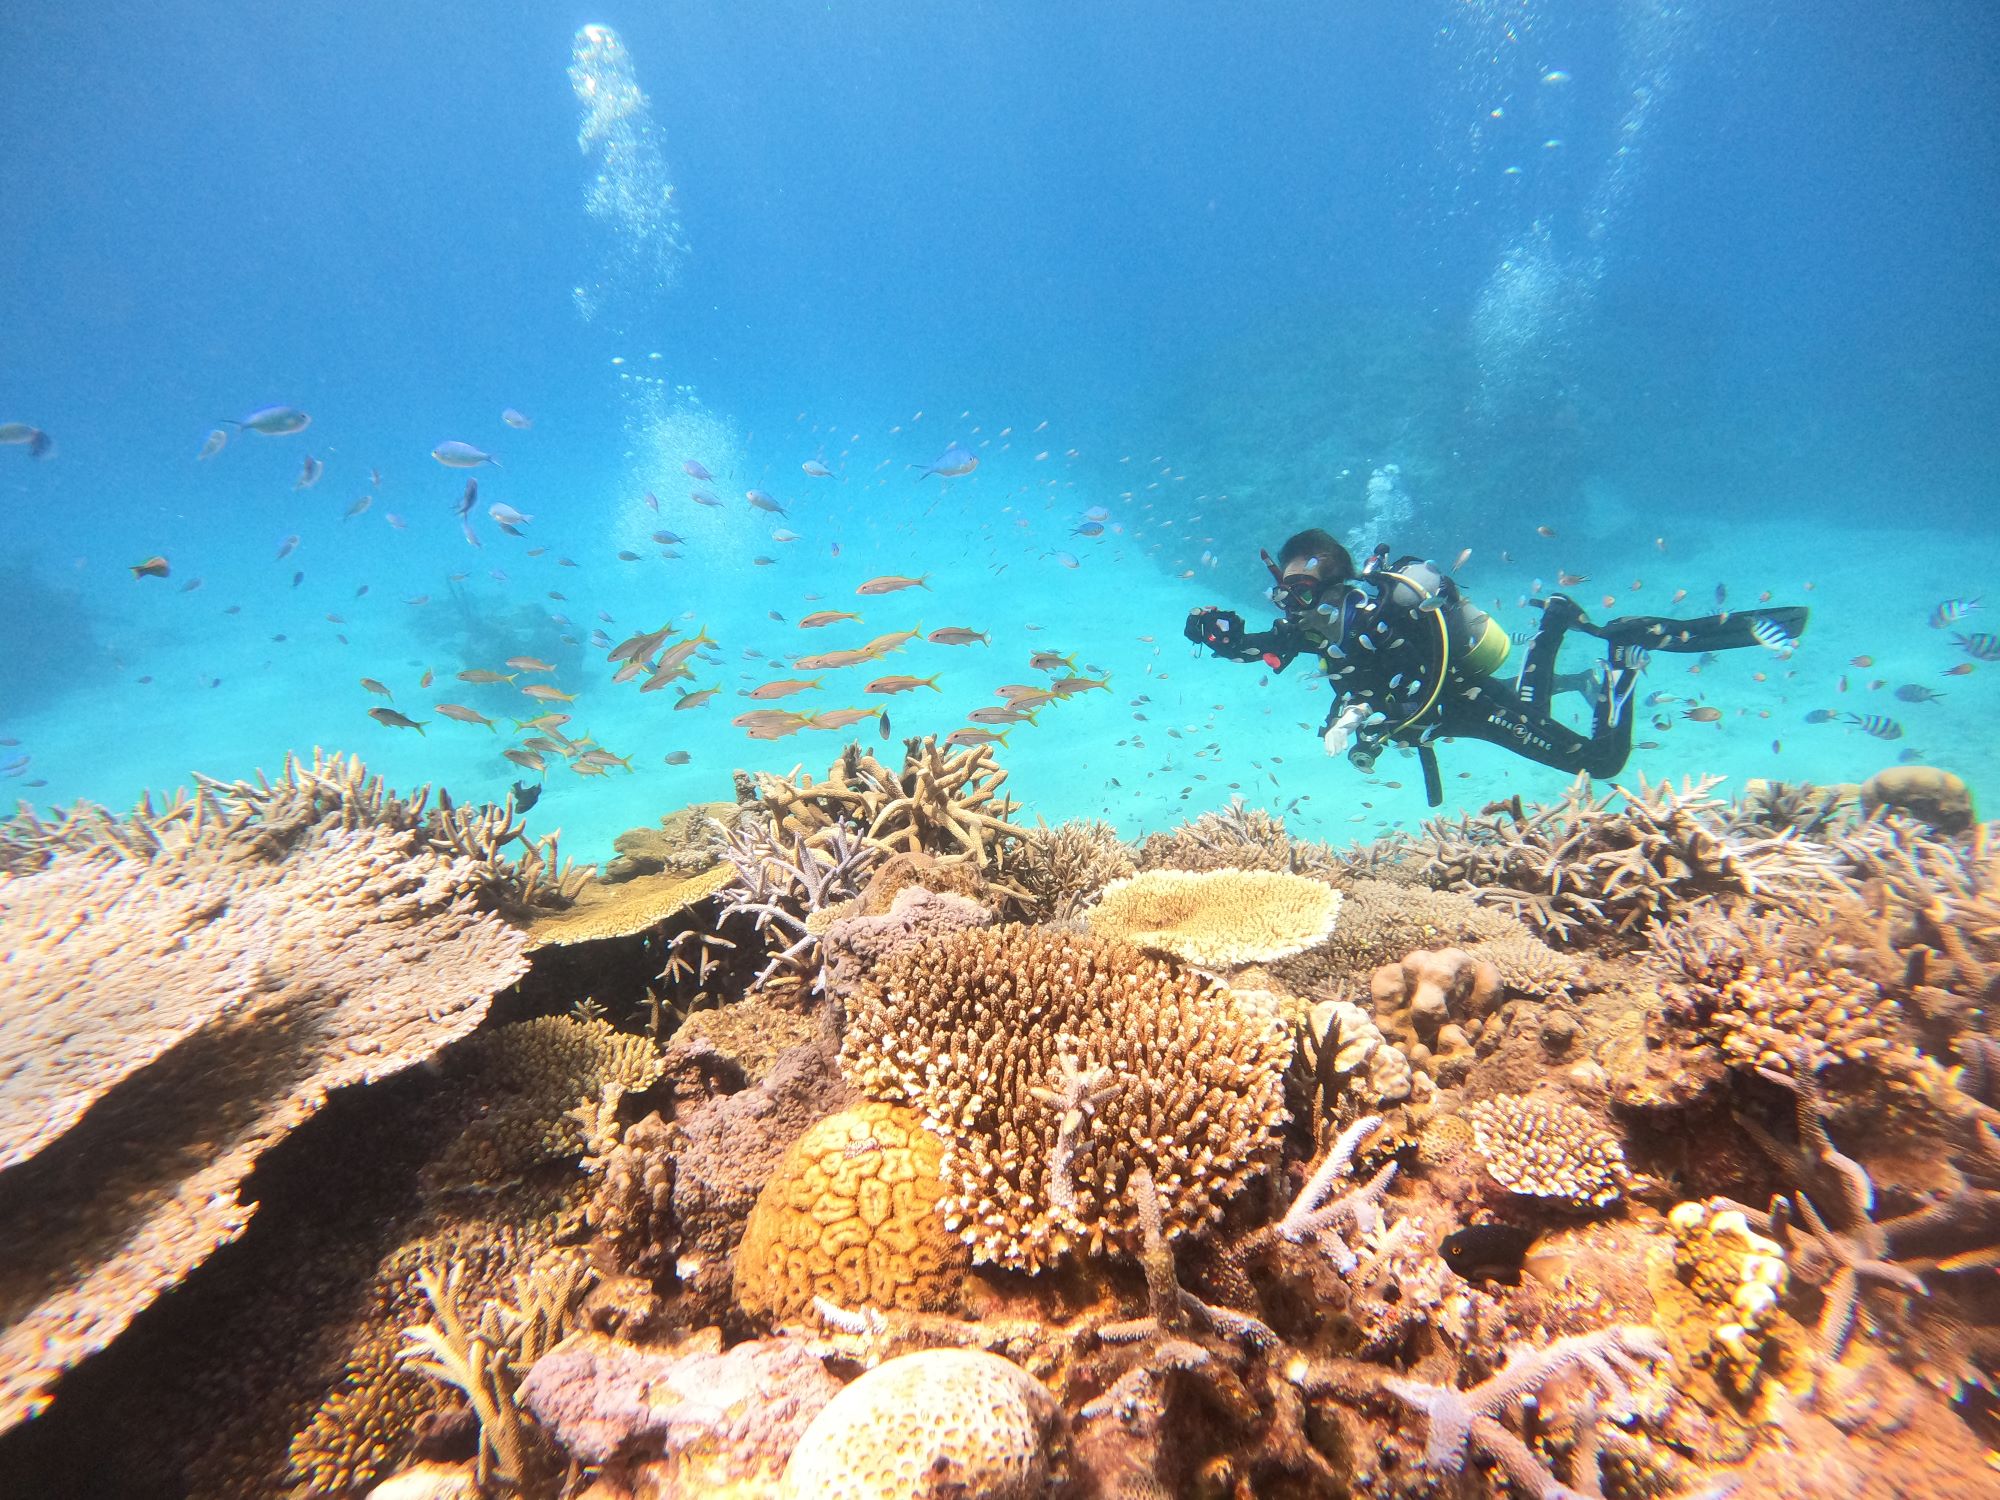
[1723, 632]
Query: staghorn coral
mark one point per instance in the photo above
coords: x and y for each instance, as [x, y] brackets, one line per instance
[944, 802]
[1217, 919]
[1544, 1148]
[941, 1421]
[1616, 866]
[851, 1215]
[1060, 870]
[784, 879]
[971, 1029]
[539, 1073]
[201, 997]
[1239, 837]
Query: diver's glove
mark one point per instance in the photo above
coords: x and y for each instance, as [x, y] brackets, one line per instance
[1340, 733]
[1220, 630]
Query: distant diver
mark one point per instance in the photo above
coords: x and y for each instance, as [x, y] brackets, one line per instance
[1411, 662]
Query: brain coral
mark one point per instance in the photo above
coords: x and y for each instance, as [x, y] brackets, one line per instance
[1548, 1149]
[851, 1215]
[941, 1422]
[1219, 919]
[985, 1031]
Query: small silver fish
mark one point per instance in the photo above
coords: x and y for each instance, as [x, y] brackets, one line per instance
[456, 455]
[212, 445]
[516, 420]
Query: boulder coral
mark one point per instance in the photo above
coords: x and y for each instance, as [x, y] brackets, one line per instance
[851, 1215]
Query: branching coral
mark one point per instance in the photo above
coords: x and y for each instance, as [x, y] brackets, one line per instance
[944, 802]
[1546, 1148]
[200, 999]
[784, 879]
[1620, 864]
[1061, 869]
[972, 1030]
[1239, 837]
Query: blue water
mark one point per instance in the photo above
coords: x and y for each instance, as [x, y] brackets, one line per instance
[1708, 293]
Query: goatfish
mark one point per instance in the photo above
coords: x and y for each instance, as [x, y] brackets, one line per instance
[832, 660]
[380, 689]
[882, 645]
[548, 693]
[840, 718]
[903, 684]
[481, 676]
[600, 759]
[1064, 687]
[674, 655]
[1048, 661]
[696, 698]
[783, 688]
[152, 567]
[957, 635]
[889, 583]
[530, 664]
[463, 714]
[544, 723]
[975, 737]
[390, 719]
[666, 672]
[528, 760]
[771, 723]
[641, 646]
[821, 617]
[1001, 716]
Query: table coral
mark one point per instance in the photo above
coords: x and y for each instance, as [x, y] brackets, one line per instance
[851, 1215]
[226, 977]
[614, 909]
[939, 1422]
[972, 1028]
[1545, 1148]
[1217, 919]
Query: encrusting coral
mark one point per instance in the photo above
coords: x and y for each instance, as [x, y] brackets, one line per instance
[972, 1029]
[1217, 919]
[224, 974]
[851, 1215]
[1547, 1148]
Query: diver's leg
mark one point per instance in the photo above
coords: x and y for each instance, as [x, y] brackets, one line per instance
[1506, 719]
[1537, 685]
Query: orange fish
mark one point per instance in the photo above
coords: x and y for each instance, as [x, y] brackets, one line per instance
[548, 693]
[375, 687]
[152, 567]
[1679, 594]
[783, 688]
[1610, 600]
[903, 684]
[1547, 531]
[1861, 661]
[889, 583]
[1704, 715]
[1571, 580]
[1958, 671]
[426, 680]
[882, 645]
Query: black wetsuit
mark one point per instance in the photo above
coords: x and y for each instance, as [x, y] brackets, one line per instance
[1387, 657]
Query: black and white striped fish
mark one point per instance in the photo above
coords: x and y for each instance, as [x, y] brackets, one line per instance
[1981, 645]
[1953, 610]
[1879, 725]
[1774, 637]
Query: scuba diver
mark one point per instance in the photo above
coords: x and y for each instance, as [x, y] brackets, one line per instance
[1410, 661]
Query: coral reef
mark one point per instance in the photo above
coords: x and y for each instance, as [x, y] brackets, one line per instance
[972, 1029]
[1930, 795]
[1217, 919]
[851, 1215]
[1459, 1197]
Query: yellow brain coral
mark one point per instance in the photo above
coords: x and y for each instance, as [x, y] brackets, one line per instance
[1053, 1064]
[1548, 1149]
[1218, 919]
[939, 1422]
[851, 1215]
